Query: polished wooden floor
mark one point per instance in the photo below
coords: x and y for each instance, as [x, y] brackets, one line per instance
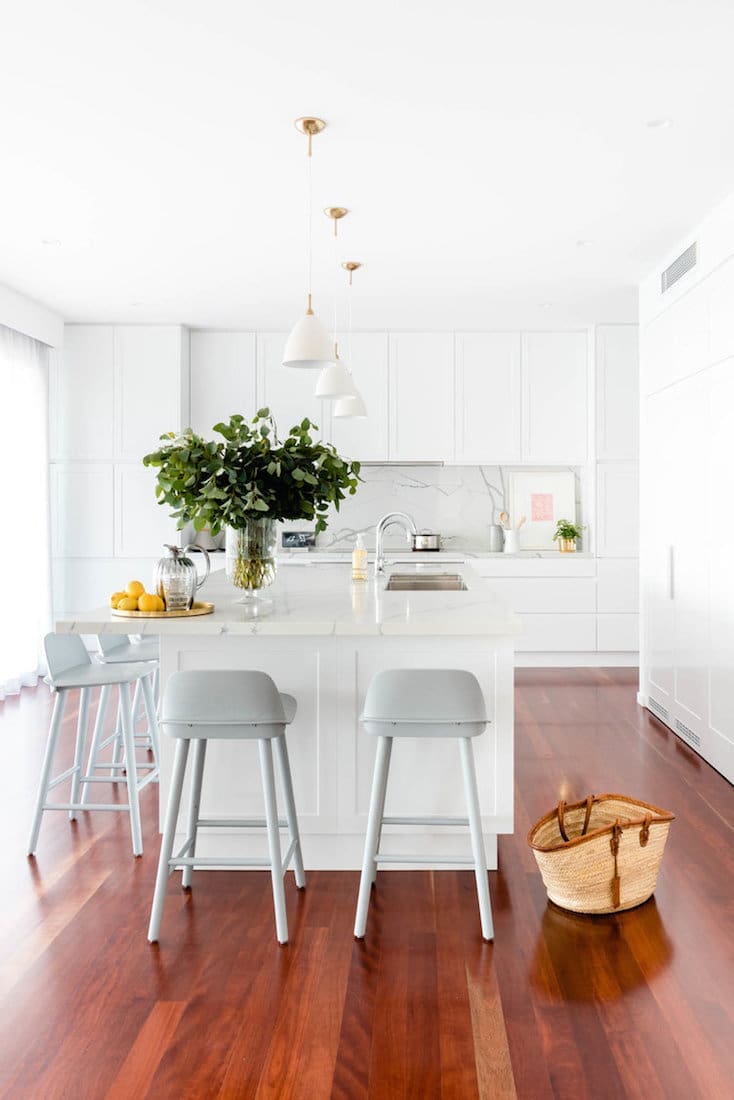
[637, 1005]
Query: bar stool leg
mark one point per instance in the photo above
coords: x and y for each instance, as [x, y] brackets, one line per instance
[271, 817]
[81, 737]
[153, 731]
[477, 839]
[48, 759]
[96, 737]
[374, 826]
[281, 756]
[131, 771]
[194, 807]
[169, 835]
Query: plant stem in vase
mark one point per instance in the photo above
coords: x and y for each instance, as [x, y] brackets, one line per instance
[250, 562]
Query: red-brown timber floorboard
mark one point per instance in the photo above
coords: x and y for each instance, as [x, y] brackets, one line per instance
[635, 1005]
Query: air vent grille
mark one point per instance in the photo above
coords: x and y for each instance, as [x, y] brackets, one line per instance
[679, 267]
[656, 708]
[687, 733]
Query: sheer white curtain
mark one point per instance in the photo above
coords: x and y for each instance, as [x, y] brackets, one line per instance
[24, 528]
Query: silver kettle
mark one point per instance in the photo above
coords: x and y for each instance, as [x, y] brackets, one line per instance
[175, 578]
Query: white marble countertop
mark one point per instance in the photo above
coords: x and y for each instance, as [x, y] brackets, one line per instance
[323, 600]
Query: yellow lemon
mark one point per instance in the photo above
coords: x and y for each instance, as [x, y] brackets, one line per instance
[128, 603]
[159, 604]
[147, 602]
[135, 589]
[116, 597]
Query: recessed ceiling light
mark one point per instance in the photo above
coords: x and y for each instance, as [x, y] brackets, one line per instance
[661, 123]
[583, 243]
[51, 242]
[546, 305]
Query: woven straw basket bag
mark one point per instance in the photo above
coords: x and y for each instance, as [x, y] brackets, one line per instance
[601, 855]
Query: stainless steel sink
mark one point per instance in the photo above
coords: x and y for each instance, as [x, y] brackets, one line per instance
[425, 582]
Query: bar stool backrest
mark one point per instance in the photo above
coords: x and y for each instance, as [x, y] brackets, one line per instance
[425, 703]
[203, 703]
[109, 642]
[64, 651]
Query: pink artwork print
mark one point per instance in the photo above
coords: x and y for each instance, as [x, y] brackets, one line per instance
[541, 507]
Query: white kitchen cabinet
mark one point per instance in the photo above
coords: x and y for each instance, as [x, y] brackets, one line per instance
[554, 633]
[617, 501]
[719, 547]
[223, 378]
[142, 525]
[422, 397]
[287, 391]
[618, 586]
[81, 510]
[555, 397]
[720, 286]
[617, 392]
[151, 387]
[542, 595]
[81, 395]
[618, 633]
[367, 439]
[488, 397]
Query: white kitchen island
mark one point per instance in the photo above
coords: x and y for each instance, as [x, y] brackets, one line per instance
[322, 639]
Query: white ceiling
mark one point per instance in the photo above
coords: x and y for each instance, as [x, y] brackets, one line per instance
[475, 143]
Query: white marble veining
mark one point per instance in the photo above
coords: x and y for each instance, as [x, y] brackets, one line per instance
[323, 600]
[459, 502]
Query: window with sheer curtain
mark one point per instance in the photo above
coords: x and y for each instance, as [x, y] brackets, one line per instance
[24, 527]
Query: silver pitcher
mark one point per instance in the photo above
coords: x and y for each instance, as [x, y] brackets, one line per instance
[175, 578]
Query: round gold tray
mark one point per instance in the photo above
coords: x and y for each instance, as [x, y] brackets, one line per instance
[196, 609]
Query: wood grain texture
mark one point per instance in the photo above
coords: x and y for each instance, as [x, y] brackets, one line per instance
[640, 1004]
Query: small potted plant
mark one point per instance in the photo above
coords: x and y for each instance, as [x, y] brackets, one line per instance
[246, 483]
[566, 535]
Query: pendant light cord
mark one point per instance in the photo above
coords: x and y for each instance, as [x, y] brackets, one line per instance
[309, 223]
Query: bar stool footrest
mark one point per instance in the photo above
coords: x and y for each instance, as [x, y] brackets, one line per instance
[426, 821]
[392, 858]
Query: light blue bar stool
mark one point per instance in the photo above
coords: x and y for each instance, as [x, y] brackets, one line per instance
[122, 649]
[70, 668]
[423, 703]
[240, 705]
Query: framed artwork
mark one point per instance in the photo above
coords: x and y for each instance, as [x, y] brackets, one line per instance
[543, 497]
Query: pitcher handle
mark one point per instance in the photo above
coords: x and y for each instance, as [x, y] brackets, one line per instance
[207, 561]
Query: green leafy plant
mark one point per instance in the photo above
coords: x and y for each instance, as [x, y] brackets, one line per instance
[250, 474]
[567, 530]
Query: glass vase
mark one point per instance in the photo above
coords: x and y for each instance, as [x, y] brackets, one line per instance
[250, 562]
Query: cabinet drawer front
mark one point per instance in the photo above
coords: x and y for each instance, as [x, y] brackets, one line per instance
[557, 634]
[618, 633]
[534, 595]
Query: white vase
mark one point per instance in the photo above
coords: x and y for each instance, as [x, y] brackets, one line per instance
[511, 545]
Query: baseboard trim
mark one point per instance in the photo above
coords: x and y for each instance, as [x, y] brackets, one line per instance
[577, 660]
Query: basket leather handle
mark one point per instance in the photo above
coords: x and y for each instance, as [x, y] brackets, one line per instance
[561, 811]
[587, 815]
[614, 845]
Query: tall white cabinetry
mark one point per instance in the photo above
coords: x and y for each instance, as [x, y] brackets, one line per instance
[687, 659]
[114, 391]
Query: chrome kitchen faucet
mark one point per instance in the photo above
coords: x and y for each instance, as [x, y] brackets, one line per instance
[387, 521]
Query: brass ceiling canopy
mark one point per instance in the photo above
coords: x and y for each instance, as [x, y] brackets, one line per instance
[310, 126]
[351, 266]
[337, 213]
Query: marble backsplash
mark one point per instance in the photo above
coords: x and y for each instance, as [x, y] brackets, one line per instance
[459, 502]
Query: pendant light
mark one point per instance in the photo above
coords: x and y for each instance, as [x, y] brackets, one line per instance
[308, 346]
[351, 404]
[335, 380]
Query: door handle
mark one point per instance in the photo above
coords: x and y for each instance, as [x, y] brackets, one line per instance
[671, 572]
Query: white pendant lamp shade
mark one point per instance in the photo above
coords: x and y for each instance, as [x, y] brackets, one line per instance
[308, 345]
[335, 381]
[353, 406]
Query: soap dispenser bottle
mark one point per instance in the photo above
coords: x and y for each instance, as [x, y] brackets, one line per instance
[359, 560]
